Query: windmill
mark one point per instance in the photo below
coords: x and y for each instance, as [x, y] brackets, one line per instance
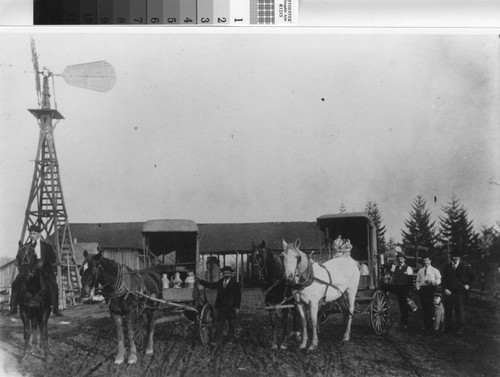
[46, 207]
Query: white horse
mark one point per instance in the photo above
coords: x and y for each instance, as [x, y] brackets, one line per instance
[312, 282]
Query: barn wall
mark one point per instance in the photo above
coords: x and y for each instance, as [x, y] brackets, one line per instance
[128, 257]
[7, 272]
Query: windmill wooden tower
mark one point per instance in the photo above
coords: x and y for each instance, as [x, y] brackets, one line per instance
[46, 207]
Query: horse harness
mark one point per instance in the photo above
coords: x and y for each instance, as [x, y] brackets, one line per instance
[121, 284]
[311, 279]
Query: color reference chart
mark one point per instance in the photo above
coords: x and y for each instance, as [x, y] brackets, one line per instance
[176, 12]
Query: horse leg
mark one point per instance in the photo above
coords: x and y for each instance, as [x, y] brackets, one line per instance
[35, 339]
[44, 333]
[132, 357]
[284, 326]
[151, 331]
[304, 326]
[272, 317]
[313, 312]
[120, 356]
[296, 324]
[26, 333]
[349, 314]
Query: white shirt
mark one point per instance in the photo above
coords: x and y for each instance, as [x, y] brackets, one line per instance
[431, 274]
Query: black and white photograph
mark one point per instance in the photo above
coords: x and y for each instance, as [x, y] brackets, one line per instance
[249, 202]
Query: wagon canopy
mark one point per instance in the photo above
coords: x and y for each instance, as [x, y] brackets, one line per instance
[172, 241]
[358, 227]
[169, 226]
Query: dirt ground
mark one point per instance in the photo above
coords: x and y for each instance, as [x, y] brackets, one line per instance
[83, 343]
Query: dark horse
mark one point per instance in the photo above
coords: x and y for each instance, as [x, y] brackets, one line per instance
[268, 269]
[119, 286]
[34, 302]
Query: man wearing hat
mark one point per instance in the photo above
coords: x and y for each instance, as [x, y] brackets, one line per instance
[457, 278]
[46, 262]
[402, 276]
[227, 302]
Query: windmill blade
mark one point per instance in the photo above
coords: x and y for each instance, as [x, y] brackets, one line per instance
[99, 76]
[34, 59]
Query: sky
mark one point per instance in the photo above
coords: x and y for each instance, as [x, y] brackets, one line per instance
[257, 126]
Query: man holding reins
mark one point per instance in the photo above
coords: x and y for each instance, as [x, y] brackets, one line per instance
[46, 261]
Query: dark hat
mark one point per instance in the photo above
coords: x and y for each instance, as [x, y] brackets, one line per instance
[437, 294]
[400, 254]
[35, 228]
[227, 268]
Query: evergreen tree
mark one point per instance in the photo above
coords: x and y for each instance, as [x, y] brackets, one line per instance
[420, 230]
[457, 231]
[342, 208]
[373, 212]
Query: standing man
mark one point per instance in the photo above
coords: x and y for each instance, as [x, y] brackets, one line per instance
[457, 279]
[428, 278]
[402, 276]
[46, 262]
[227, 302]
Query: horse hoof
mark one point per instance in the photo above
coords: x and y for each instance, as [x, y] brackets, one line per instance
[149, 352]
[312, 348]
[302, 347]
[284, 347]
[346, 339]
[119, 361]
[132, 359]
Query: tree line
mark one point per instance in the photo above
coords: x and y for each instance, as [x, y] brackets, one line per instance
[454, 234]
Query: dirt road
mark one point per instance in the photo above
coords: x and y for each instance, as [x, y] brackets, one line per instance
[83, 343]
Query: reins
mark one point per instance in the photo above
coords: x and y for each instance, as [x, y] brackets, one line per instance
[310, 279]
[27, 261]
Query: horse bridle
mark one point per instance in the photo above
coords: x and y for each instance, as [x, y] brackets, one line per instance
[26, 260]
[255, 264]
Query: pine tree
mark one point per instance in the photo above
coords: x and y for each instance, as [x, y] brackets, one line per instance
[420, 230]
[342, 208]
[373, 212]
[457, 230]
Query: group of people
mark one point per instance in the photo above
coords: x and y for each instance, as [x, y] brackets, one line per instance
[434, 289]
[452, 286]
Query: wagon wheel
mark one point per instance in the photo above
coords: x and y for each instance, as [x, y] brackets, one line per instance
[206, 324]
[140, 329]
[379, 312]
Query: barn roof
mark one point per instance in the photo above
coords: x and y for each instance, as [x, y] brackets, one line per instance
[231, 237]
[109, 235]
[213, 237]
[169, 226]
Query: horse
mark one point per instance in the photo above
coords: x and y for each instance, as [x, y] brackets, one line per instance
[213, 269]
[313, 283]
[268, 269]
[34, 303]
[119, 286]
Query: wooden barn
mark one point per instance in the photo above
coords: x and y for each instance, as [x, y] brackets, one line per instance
[229, 243]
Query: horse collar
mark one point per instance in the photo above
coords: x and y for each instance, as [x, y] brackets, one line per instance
[308, 275]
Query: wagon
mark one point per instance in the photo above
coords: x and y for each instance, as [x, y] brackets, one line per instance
[174, 244]
[362, 232]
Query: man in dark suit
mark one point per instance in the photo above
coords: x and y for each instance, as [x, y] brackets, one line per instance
[227, 302]
[46, 261]
[402, 279]
[457, 278]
